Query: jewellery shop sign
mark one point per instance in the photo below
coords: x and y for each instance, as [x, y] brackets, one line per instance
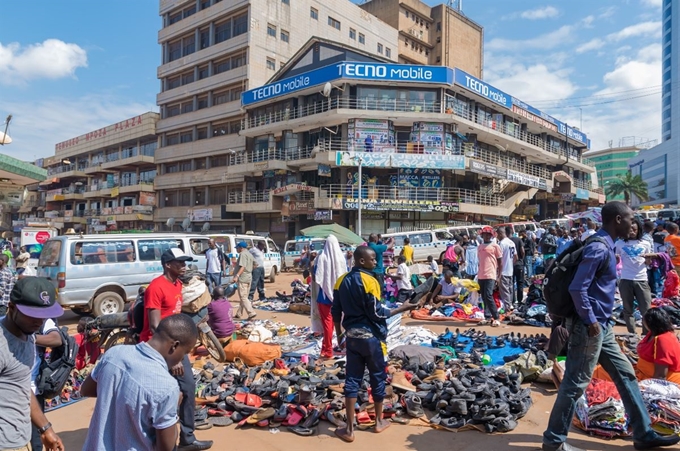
[423, 206]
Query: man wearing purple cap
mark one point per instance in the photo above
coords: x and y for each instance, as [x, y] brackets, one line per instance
[32, 301]
[243, 277]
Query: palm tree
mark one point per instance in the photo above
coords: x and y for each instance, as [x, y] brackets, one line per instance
[628, 185]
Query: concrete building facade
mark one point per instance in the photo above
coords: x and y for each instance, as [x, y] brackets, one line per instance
[438, 36]
[436, 146]
[214, 50]
[660, 165]
[102, 180]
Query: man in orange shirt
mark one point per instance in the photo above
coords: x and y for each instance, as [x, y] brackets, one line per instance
[490, 255]
[673, 245]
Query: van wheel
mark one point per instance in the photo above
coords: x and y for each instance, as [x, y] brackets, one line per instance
[106, 303]
[272, 275]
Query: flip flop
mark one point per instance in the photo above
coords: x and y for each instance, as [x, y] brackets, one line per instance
[364, 418]
[220, 421]
[294, 417]
[264, 413]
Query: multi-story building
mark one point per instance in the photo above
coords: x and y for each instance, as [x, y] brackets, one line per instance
[214, 50]
[656, 164]
[436, 35]
[611, 164]
[103, 180]
[432, 145]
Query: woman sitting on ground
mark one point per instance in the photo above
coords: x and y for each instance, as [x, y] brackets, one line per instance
[219, 316]
[658, 351]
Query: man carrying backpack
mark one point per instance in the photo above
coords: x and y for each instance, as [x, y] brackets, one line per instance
[548, 248]
[591, 339]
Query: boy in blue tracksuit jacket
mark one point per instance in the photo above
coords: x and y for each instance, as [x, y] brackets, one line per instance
[356, 303]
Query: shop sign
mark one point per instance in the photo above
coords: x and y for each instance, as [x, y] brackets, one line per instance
[423, 206]
[323, 215]
[292, 188]
[568, 197]
[148, 199]
[534, 118]
[601, 198]
[380, 124]
[200, 214]
[488, 170]
[485, 90]
[527, 180]
[301, 207]
[142, 208]
[324, 170]
[395, 160]
[562, 128]
[582, 194]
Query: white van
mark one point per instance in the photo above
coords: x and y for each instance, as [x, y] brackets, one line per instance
[100, 273]
[424, 242]
[293, 249]
[272, 256]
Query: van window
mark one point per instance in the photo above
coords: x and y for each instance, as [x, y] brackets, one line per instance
[399, 240]
[443, 235]
[272, 246]
[224, 243]
[98, 252]
[290, 247]
[421, 238]
[530, 226]
[199, 245]
[257, 241]
[50, 253]
[151, 250]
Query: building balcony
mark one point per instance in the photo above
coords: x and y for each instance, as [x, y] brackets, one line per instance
[338, 110]
[146, 187]
[253, 202]
[134, 161]
[96, 169]
[66, 171]
[64, 194]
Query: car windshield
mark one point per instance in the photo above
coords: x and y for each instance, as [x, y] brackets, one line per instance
[50, 253]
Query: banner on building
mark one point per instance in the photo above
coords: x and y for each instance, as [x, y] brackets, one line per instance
[423, 206]
[301, 207]
[488, 170]
[582, 194]
[526, 180]
[323, 215]
[200, 214]
[400, 160]
[148, 199]
[324, 170]
[115, 191]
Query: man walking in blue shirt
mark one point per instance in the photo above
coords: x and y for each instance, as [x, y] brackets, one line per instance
[592, 340]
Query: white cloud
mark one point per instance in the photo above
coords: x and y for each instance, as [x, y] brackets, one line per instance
[651, 28]
[37, 127]
[587, 21]
[50, 59]
[652, 3]
[593, 44]
[543, 42]
[545, 12]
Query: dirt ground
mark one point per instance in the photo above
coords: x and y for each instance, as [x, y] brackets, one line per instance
[71, 422]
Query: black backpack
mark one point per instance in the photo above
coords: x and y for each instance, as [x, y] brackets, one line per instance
[548, 244]
[560, 274]
[53, 375]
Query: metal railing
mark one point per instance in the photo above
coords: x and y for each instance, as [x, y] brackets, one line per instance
[508, 162]
[247, 197]
[66, 168]
[421, 194]
[395, 105]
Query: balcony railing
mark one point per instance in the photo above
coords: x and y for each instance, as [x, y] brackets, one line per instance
[421, 194]
[499, 159]
[394, 105]
[66, 168]
[247, 197]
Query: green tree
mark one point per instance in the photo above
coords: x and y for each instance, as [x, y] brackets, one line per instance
[627, 186]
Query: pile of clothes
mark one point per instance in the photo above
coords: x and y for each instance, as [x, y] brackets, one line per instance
[533, 310]
[600, 411]
[662, 399]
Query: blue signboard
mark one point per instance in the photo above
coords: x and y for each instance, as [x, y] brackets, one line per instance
[350, 70]
[562, 128]
[483, 89]
[582, 194]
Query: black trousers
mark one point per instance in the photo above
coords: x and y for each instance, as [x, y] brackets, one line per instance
[518, 277]
[187, 408]
[486, 287]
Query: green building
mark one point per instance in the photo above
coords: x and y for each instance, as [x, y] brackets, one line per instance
[610, 164]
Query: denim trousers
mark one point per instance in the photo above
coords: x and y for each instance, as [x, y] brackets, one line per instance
[187, 408]
[583, 355]
[214, 280]
[529, 266]
[362, 354]
[257, 284]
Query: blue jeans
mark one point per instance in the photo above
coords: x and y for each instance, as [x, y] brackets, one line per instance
[529, 266]
[365, 353]
[214, 280]
[583, 354]
[654, 279]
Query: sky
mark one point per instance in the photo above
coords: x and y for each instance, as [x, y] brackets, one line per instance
[68, 67]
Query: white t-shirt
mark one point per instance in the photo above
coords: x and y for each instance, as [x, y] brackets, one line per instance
[405, 282]
[434, 266]
[507, 260]
[587, 233]
[213, 258]
[632, 263]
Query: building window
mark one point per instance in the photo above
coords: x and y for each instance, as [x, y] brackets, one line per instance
[353, 34]
[285, 37]
[174, 82]
[439, 26]
[362, 39]
[380, 48]
[175, 18]
[172, 139]
[222, 66]
[202, 133]
[190, 11]
[186, 137]
[188, 78]
[271, 64]
[285, 2]
[205, 38]
[172, 110]
[220, 98]
[236, 94]
[223, 31]
[333, 23]
[439, 39]
[439, 59]
[271, 30]
[174, 50]
[205, 4]
[202, 102]
[188, 45]
[388, 52]
[218, 161]
[187, 107]
[314, 13]
[203, 72]
[240, 24]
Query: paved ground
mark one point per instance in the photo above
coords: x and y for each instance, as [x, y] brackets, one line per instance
[71, 422]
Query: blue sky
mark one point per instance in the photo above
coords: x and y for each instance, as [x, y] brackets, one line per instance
[71, 66]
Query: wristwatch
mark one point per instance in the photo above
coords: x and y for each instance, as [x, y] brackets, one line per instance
[44, 429]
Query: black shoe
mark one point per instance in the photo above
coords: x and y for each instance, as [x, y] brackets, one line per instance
[657, 442]
[563, 447]
[198, 445]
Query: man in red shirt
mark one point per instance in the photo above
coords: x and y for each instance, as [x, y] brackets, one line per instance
[163, 298]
